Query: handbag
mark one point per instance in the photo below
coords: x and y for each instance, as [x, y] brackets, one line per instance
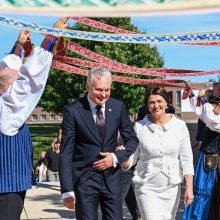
[211, 161]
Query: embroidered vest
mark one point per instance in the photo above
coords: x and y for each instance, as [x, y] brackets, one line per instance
[16, 156]
[211, 142]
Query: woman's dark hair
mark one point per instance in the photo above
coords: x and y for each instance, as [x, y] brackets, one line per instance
[156, 91]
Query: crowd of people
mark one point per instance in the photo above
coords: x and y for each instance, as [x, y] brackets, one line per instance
[98, 144]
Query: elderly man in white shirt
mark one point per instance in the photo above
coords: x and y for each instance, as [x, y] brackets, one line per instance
[21, 86]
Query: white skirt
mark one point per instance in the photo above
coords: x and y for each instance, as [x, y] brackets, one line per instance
[157, 199]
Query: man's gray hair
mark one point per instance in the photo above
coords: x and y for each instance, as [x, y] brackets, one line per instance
[99, 72]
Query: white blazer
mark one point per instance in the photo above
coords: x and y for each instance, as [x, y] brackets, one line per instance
[165, 149]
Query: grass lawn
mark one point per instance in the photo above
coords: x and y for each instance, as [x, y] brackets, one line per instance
[42, 136]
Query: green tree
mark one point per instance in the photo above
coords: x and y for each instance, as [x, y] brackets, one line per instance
[63, 88]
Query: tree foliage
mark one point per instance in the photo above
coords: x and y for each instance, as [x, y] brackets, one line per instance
[62, 87]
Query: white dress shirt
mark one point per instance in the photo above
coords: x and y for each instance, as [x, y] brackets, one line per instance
[165, 149]
[93, 105]
[206, 114]
[94, 113]
[20, 99]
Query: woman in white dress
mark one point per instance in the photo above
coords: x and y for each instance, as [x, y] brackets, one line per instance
[163, 157]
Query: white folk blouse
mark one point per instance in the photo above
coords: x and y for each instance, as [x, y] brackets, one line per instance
[206, 114]
[20, 99]
[165, 149]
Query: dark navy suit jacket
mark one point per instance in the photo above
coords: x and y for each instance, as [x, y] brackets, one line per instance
[81, 142]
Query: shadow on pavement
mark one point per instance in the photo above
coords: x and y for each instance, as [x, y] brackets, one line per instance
[62, 213]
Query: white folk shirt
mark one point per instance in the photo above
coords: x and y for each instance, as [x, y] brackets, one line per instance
[206, 114]
[20, 99]
[165, 149]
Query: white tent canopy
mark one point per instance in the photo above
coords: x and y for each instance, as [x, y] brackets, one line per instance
[104, 8]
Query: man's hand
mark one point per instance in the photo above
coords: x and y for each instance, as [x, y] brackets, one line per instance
[61, 23]
[69, 202]
[24, 36]
[104, 163]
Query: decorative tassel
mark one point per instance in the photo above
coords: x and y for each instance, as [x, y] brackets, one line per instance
[17, 49]
[49, 42]
[198, 102]
[186, 93]
[28, 47]
[203, 99]
[61, 47]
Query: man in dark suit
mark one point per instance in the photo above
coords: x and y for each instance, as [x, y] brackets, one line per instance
[90, 172]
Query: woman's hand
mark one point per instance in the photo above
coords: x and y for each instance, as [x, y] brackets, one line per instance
[188, 197]
[121, 147]
[189, 190]
[126, 163]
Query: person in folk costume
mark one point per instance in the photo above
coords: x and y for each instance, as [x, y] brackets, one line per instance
[206, 204]
[21, 86]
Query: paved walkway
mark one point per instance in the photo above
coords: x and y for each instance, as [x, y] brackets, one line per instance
[43, 202]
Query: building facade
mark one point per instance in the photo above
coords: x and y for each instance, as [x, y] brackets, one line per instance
[182, 107]
[41, 116]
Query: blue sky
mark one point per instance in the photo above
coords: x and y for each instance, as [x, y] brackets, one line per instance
[175, 56]
[185, 56]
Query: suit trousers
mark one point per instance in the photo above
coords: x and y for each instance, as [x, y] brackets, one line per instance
[11, 205]
[92, 192]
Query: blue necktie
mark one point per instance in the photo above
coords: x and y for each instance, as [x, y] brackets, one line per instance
[100, 121]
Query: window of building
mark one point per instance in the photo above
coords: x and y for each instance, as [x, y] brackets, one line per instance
[178, 115]
[170, 94]
[34, 118]
[60, 117]
[178, 99]
[43, 117]
[52, 117]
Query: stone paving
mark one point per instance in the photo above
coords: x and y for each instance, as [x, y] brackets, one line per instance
[43, 202]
